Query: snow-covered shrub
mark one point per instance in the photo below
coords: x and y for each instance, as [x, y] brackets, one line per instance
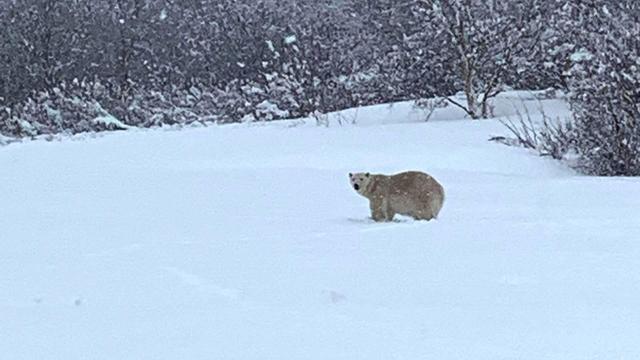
[230, 103]
[267, 101]
[485, 41]
[603, 137]
[430, 105]
[548, 137]
[607, 120]
[605, 96]
[175, 106]
[69, 108]
[91, 106]
[237, 101]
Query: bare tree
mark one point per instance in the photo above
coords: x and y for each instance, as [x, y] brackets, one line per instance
[487, 39]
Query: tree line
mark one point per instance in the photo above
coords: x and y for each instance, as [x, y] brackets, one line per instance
[85, 65]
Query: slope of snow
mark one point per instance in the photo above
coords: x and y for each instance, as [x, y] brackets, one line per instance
[246, 242]
[507, 105]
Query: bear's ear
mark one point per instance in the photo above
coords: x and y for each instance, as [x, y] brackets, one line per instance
[350, 175]
[367, 174]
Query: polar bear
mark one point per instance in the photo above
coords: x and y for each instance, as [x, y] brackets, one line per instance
[410, 193]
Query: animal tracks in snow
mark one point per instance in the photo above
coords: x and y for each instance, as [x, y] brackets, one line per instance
[201, 284]
[333, 296]
[367, 224]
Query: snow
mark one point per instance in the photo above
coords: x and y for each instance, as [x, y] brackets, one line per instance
[582, 55]
[269, 109]
[270, 45]
[290, 39]
[4, 140]
[246, 242]
[507, 105]
[109, 120]
[27, 127]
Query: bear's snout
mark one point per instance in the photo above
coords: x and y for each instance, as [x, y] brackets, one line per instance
[356, 186]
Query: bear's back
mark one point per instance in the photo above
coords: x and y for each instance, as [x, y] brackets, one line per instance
[416, 185]
[412, 180]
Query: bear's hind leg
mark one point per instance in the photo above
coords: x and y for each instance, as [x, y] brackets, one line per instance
[423, 215]
[389, 214]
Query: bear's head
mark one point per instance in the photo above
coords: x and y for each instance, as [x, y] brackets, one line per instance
[359, 181]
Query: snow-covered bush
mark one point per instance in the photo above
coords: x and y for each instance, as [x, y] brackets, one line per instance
[177, 62]
[605, 93]
[548, 137]
[606, 108]
[268, 100]
[149, 108]
[486, 41]
[603, 76]
[69, 108]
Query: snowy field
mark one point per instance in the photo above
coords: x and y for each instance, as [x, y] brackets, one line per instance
[246, 242]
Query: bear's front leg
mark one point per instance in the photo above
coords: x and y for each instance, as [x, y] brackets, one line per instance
[377, 210]
[388, 212]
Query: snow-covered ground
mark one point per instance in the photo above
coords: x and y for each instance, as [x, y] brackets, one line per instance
[246, 242]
